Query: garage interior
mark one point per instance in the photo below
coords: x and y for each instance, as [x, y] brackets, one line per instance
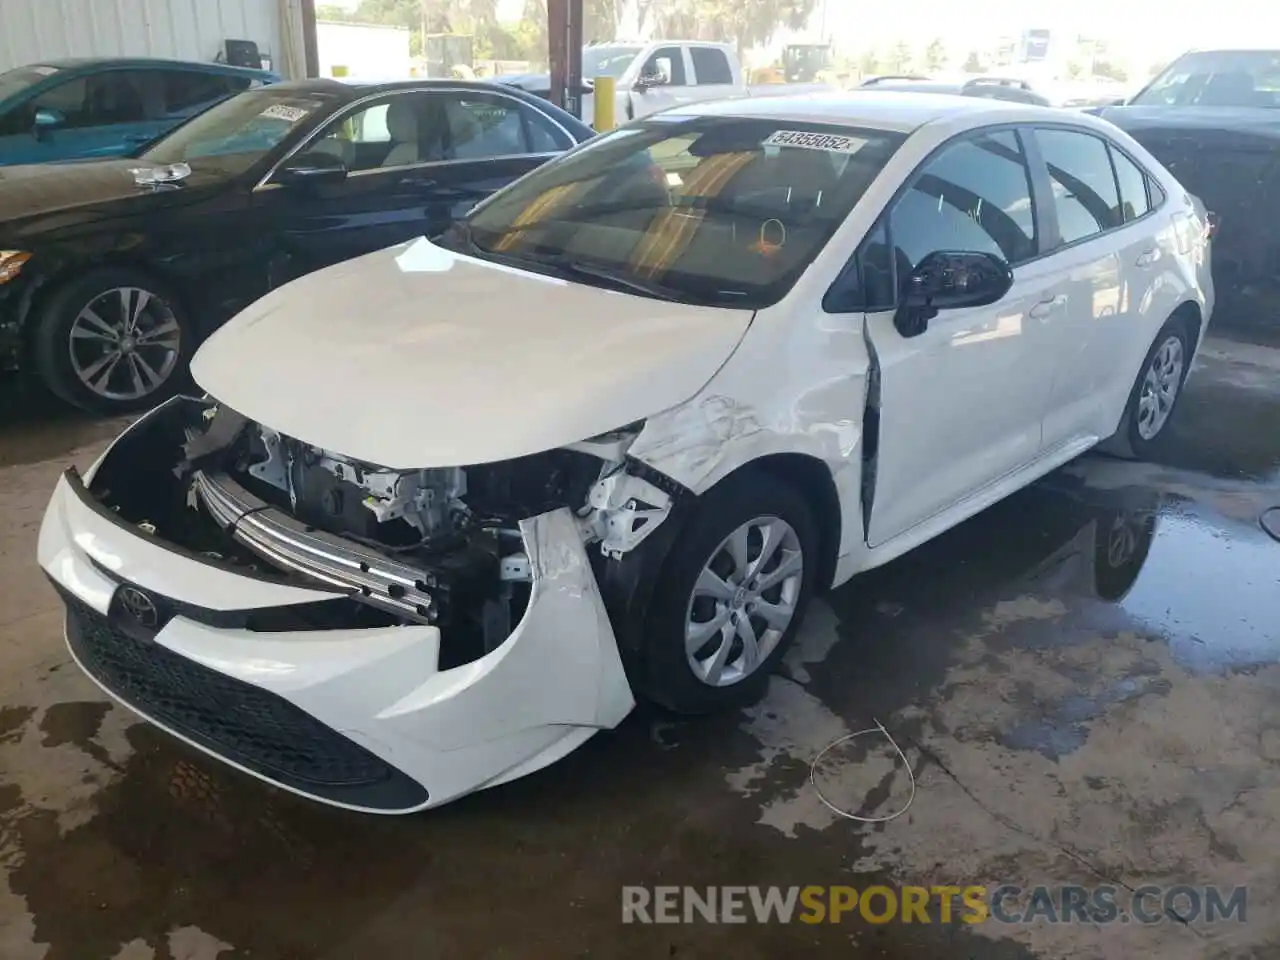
[1084, 678]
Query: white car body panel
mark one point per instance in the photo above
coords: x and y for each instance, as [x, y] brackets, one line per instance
[428, 319]
[416, 357]
[556, 681]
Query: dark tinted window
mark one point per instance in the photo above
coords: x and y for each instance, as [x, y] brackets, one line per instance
[669, 62]
[98, 100]
[1133, 187]
[710, 66]
[186, 92]
[975, 195]
[1084, 188]
[483, 125]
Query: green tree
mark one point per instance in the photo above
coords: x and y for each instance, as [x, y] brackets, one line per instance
[935, 56]
[869, 62]
[899, 59]
[1113, 71]
[973, 63]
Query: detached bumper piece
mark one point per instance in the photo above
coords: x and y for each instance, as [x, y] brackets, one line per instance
[249, 727]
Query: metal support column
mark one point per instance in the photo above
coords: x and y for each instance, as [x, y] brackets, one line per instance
[310, 44]
[564, 42]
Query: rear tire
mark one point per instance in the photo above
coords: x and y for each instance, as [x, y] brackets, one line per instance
[1155, 393]
[111, 341]
[721, 620]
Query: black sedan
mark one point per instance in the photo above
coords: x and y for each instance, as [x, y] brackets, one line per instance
[111, 272]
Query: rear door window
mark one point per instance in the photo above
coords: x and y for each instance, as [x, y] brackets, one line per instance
[187, 92]
[710, 66]
[1082, 182]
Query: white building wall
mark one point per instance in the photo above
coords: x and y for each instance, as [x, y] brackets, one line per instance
[32, 30]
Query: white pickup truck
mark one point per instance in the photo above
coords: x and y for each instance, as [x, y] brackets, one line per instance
[660, 74]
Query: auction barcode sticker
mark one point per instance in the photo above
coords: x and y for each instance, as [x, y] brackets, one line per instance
[808, 140]
[281, 111]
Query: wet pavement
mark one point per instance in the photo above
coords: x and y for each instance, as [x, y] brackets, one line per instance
[1084, 679]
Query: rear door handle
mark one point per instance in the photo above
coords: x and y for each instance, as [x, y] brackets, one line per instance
[1046, 307]
[1148, 257]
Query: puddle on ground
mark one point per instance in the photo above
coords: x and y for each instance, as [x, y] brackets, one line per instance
[1213, 589]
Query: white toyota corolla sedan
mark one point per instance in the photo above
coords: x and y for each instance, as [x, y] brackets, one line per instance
[447, 509]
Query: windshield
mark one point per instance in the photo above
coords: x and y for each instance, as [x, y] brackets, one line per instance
[723, 211]
[240, 131]
[1228, 78]
[607, 61]
[15, 81]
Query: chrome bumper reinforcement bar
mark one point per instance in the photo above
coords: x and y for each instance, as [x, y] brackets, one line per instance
[281, 540]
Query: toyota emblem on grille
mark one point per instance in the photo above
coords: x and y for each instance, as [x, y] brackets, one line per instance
[139, 606]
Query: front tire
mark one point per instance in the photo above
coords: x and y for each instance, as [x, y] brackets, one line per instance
[731, 597]
[1155, 393]
[112, 341]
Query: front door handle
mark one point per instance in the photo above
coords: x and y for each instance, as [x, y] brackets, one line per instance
[1148, 257]
[1046, 307]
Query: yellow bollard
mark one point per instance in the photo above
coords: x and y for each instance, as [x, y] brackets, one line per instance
[604, 98]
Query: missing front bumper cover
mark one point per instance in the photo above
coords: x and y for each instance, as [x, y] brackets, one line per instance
[379, 580]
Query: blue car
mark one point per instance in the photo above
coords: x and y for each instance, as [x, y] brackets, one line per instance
[87, 109]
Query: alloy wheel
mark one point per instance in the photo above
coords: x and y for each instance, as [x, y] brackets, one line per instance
[743, 601]
[125, 343]
[1160, 386]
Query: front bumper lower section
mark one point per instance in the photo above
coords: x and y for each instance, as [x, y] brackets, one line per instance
[359, 718]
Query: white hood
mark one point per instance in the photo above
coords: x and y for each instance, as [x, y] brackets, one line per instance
[417, 357]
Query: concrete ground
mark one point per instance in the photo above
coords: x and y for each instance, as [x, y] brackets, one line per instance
[1066, 723]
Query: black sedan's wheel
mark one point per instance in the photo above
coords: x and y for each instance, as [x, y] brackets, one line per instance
[112, 341]
[731, 597]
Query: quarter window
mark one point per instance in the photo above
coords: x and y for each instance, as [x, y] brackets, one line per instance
[1133, 187]
[710, 66]
[1083, 185]
[975, 195]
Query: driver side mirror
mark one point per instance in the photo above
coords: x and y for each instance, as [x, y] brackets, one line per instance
[312, 169]
[949, 280]
[46, 120]
[649, 80]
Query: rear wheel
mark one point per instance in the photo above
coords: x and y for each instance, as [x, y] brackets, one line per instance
[112, 341]
[733, 593]
[1156, 392]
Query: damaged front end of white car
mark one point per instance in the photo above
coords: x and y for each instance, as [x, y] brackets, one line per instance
[380, 639]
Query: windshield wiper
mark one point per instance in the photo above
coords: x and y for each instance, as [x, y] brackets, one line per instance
[576, 268]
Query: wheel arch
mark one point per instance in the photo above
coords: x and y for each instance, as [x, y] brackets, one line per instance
[811, 477]
[66, 271]
[1190, 312]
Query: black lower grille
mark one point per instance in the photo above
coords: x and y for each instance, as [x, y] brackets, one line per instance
[235, 720]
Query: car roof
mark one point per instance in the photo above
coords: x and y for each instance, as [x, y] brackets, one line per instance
[351, 87]
[896, 111]
[86, 64]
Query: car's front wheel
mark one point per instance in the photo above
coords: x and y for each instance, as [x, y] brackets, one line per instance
[731, 596]
[112, 341]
